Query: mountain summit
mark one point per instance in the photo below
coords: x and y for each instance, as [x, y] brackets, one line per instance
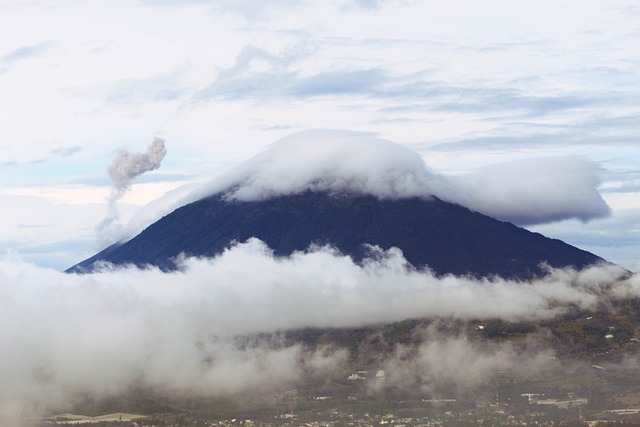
[351, 191]
[445, 237]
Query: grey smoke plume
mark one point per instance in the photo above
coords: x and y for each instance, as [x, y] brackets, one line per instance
[127, 166]
[124, 168]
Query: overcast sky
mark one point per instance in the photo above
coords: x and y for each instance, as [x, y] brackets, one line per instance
[467, 85]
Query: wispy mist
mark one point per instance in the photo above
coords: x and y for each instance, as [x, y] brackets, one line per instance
[451, 362]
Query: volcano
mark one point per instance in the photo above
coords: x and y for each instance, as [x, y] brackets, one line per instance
[431, 233]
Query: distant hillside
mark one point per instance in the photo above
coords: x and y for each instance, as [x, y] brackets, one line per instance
[446, 237]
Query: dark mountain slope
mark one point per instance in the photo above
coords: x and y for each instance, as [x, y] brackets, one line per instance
[446, 237]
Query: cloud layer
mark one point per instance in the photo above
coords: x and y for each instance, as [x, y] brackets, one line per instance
[532, 191]
[64, 335]
[330, 161]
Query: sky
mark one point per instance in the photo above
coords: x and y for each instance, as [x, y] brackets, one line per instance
[470, 87]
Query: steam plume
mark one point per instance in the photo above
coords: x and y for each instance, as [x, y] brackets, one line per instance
[124, 168]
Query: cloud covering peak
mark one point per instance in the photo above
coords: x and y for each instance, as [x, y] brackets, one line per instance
[530, 191]
[330, 160]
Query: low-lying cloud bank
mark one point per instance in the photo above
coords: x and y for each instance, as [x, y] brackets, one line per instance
[63, 335]
[523, 192]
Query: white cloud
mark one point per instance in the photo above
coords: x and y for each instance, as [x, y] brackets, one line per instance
[535, 191]
[524, 192]
[329, 161]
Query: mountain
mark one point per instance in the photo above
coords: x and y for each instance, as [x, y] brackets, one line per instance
[446, 237]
